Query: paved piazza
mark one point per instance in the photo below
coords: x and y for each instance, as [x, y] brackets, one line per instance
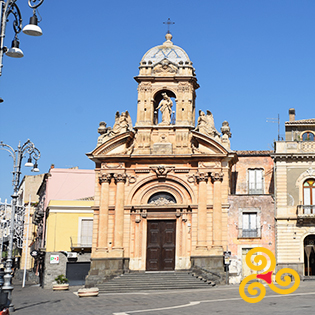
[220, 300]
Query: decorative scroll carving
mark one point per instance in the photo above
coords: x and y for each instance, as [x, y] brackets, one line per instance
[183, 87]
[139, 213]
[201, 177]
[198, 177]
[120, 178]
[307, 146]
[205, 124]
[130, 149]
[310, 172]
[105, 178]
[215, 176]
[162, 202]
[145, 87]
[165, 68]
[161, 171]
[116, 165]
[131, 179]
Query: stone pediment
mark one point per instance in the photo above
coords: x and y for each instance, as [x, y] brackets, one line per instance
[122, 144]
[204, 144]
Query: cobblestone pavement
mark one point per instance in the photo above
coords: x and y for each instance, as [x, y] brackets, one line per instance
[219, 300]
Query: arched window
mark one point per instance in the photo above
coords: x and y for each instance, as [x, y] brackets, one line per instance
[162, 199]
[309, 195]
[308, 136]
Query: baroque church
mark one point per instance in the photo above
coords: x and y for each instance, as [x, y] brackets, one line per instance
[162, 184]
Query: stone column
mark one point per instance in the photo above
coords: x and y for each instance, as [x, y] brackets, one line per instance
[217, 209]
[202, 179]
[120, 180]
[105, 180]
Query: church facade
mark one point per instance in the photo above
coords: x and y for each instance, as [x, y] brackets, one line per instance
[162, 185]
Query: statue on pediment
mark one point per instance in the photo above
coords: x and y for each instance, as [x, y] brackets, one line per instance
[165, 106]
[205, 124]
[122, 124]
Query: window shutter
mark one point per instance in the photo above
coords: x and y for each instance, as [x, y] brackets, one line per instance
[253, 221]
[251, 181]
[86, 232]
[245, 221]
[259, 181]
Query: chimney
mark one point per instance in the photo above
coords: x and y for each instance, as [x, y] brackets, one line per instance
[292, 114]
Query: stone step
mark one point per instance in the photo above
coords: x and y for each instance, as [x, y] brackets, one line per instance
[153, 281]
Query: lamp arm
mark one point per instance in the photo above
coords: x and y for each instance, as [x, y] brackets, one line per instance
[9, 149]
[36, 3]
[13, 9]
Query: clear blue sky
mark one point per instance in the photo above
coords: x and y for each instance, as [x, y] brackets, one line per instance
[253, 60]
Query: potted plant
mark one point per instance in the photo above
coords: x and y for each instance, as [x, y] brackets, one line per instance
[61, 283]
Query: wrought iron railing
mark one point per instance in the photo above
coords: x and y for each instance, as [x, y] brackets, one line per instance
[249, 233]
[86, 242]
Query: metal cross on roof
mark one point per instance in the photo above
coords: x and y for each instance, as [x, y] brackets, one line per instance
[168, 22]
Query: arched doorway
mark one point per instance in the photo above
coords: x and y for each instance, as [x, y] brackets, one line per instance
[309, 255]
[161, 236]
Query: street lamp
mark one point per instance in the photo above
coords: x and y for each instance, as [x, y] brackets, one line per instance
[10, 7]
[28, 148]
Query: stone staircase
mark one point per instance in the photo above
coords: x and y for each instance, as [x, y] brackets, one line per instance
[143, 281]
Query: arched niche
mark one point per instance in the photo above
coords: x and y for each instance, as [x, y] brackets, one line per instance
[162, 197]
[156, 101]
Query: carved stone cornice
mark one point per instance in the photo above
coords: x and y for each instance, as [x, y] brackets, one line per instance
[105, 178]
[216, 176]
[120, 178]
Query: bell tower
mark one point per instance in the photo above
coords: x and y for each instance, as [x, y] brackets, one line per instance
[166, 98]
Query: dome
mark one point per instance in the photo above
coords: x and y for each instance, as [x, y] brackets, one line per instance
[168, 51]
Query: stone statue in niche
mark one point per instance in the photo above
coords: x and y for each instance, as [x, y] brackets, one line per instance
[205, 124]
[122, 124]
[165, 106]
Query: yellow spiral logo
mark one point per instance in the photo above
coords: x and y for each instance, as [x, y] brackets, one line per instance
[259, 262]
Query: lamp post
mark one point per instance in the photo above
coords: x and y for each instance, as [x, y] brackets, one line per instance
[10, 7]
[34, 154]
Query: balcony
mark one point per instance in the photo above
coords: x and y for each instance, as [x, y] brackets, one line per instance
[84, 245]
[249, 233]
[306, 213]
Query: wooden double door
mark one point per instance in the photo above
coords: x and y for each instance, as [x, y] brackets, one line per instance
[161, 245]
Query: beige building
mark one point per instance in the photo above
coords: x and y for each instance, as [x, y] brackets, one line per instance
[28, 193]
[162, 185]
[295, 196]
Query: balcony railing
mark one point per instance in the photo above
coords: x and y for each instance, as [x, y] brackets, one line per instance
[305, 211]
[249, 233]
[84, 243]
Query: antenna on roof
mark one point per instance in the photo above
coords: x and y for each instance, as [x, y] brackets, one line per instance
[274, 121]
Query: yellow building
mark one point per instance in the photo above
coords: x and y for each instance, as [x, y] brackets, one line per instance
[69, 229]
